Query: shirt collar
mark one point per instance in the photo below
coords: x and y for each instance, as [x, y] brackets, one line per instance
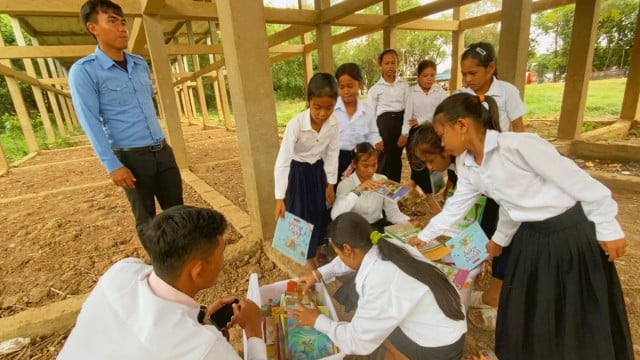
[306, 121]
[106, 62]
[341, 107]
[368, 262]
[493, 88]
[490, 143]
[169, 293]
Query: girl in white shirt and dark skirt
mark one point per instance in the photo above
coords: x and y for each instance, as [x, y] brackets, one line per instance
[389, 98]
[561, 297]
[405, 303]
[306, 168]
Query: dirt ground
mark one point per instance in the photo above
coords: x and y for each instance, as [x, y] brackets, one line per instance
[64, 224]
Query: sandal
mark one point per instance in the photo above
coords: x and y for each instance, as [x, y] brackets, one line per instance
[475, 301]
[484, 319]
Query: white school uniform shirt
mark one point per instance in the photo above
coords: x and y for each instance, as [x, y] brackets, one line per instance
[391, 97]
[123, 318]
[303, 144]
[530, 181]
[388, 298]
[368, 204]
[359, 128]
[424, 104]
[507, 97]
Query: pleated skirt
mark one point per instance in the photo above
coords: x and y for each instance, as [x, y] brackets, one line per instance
[561, 297]
[306, 198]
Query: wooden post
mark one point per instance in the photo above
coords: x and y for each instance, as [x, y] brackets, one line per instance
[307, 59]
[224, 98]
[184, 92]
[204, 112]
[457, 48]
[37, 92]
[61, 99]
[583, 36]
[390, 33]
[631, 100]
[514, 42]
[21, 109]
[164, 82]
[247, 58]
[213, 39]
[4, 163]
[323, 38]
[53, 100]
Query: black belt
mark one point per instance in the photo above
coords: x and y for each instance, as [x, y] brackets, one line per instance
[150, 148]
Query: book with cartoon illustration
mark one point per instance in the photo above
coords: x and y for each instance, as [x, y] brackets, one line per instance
[402, 231]
[305, 342]
[292, 237]
[468, 248]
[391, 189]
[474, 214]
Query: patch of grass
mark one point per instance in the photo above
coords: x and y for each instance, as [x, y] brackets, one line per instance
[604, 99]
[287, 109]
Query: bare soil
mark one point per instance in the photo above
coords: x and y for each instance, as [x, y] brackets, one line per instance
[64, 224]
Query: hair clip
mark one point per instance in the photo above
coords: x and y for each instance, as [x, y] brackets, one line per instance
[375, 237]
[480, 51]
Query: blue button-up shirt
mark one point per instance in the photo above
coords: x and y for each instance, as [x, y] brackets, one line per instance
[114, 106]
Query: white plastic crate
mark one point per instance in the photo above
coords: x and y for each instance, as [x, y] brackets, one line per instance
[261, 294]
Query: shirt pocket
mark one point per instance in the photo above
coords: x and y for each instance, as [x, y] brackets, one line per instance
[144, 86]
[116, 92]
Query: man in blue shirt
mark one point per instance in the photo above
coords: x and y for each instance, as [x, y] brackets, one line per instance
[112, 95]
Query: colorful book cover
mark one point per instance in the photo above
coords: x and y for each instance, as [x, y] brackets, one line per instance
[474, 214]
[457, 276]
[402, 231]
[292, 237]
[468, 248]
[434, 250]
[307, 343]
[391, 189]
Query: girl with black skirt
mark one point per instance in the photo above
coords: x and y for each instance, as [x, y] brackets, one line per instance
[389, 98]
[561, 297]
[306, 168]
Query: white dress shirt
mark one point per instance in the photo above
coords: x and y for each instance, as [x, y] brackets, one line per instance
[359, 128]
[507, 97]
[424, 104]
[368, 204]
[530, 181]
[123, 318]
[391, 97]
[389, 298]
[303, 144]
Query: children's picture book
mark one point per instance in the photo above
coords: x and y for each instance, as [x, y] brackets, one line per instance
[292, 237]
[457, 276]
[468, 248]
[307, 343]
[434, 250]
[391, 189]
[473, 215]
[402, 231]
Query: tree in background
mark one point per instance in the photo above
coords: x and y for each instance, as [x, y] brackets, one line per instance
[558, 24]
[615, 34]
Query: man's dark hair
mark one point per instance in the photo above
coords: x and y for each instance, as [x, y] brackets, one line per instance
[91, 8]
[180, 234]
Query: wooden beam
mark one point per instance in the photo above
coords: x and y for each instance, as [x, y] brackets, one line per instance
[162, 70]
[425, 10]
[19, 75]
[204, 111]
[46, 51]
[288, 34]
[57, 7]
[514, 42]
[496, 16]
[137, 39]
[291, 16]
[186, 49]
[631, 100]
[152, 7]
[390, 31]
[323, 39]
[53, 98]
[344, 8]
[361, 20]
[457, 48]
[205, 70]
[431, 25]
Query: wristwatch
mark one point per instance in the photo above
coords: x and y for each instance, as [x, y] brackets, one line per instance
[357, 192]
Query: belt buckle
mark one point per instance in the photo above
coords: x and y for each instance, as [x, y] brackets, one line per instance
[156, 147]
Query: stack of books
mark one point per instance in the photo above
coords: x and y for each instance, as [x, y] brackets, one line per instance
[284, 339]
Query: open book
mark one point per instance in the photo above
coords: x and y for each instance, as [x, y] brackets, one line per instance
[292, 237]
[402, 231]
[391, 189]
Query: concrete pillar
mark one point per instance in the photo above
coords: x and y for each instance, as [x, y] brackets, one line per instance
[254, 106]
[164, 82]
[457, 48]
[514, 42]
[37, 92]
[323, 38]
[390, 34]
[631, 100]
[583, 36]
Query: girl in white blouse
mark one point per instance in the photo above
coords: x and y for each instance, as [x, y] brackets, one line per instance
[306, 168]
[561, 297]
[405, 302]
[354, 193]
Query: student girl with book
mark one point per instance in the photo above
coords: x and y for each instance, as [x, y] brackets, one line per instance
[389, 98]
[405, 302]
[307, 162]
[425, 96]
[355, 192]
[357, 119]
[561, 297]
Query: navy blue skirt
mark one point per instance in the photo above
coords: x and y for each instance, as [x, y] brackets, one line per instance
[561, 297]
[306, 198]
